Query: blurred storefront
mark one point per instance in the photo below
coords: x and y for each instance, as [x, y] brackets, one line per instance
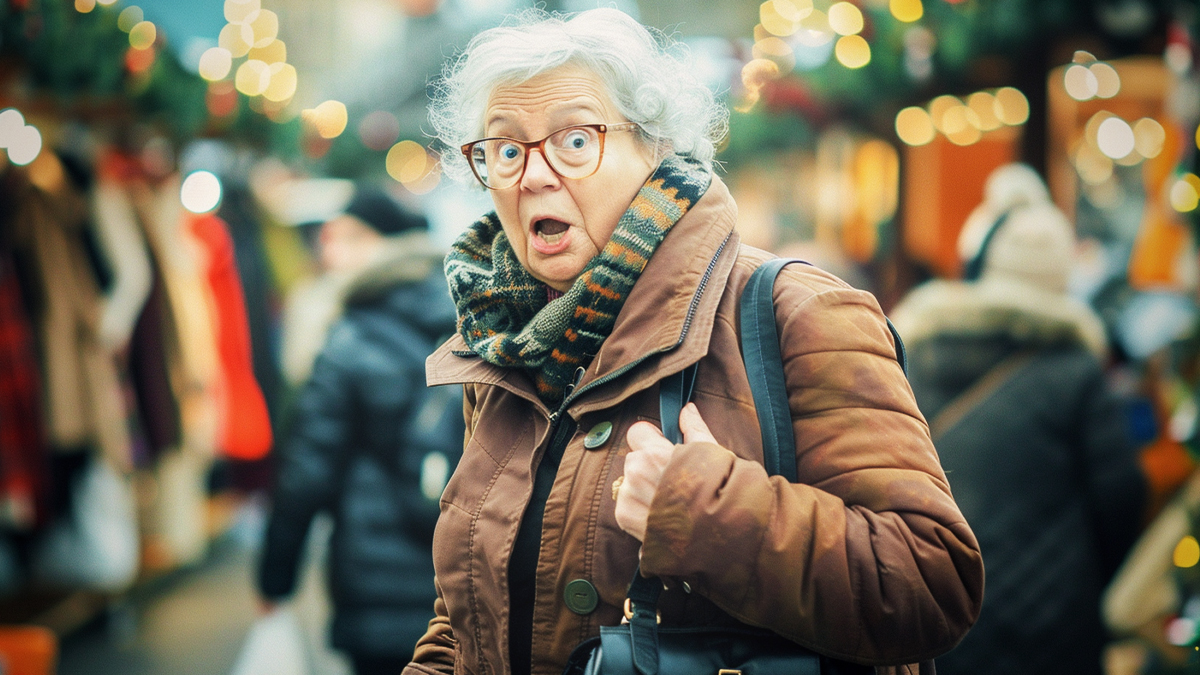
[159, 161]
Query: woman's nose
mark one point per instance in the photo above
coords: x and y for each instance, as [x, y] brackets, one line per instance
[538, 174]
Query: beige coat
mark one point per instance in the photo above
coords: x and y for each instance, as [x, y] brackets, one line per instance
[867, 558]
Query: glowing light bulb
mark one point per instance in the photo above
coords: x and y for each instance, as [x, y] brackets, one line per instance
[914, 126]
[200, 192]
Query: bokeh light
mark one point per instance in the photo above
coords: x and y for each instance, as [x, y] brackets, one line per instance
[143, 35]
[239, 11]
[215, 64]
[129, 17]
[845, 19]
[265, 25]
[24, 145]
[914, 126]
[139, 60]
[237, 38]
[11, 120]
[282, 82]
[407, 162]
[776, 23]
[200, 192]
[1115, 138]
[1091, 165]
[379, 130]
[852, 51]
[85, 6]
[1187, 552]
[329, 118]
[983, 105]
[1108, 82]
[1080, 83]
[775, 49]
[221, 99]
[907, 11]
[273, 52]
[1185, 193]
[1148, 137]
[253, 77]
[814, 30]
[938, 108]
[1012, 107]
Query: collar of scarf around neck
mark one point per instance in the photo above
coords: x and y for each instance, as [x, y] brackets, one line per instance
[503, 312]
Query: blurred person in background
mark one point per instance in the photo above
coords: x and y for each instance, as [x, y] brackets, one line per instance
[1009, 370]
[367, 442]
[611, 262]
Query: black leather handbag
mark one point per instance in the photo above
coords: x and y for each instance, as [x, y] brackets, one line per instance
[641, 646]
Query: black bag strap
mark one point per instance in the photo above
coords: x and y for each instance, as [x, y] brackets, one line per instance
[768, 384]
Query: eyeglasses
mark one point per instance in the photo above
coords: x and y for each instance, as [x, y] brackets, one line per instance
[573, 152]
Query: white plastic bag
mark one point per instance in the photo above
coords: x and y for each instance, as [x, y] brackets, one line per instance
[96, 546]
[274, 646]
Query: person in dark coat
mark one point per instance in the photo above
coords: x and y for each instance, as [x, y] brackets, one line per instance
[1008, 368]
[369, 444]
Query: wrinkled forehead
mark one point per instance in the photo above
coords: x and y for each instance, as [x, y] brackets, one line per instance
[561, 97]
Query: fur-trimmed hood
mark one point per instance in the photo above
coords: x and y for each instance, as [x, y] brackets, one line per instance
[998, 307]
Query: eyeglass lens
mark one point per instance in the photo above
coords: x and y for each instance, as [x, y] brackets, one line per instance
[573, 152]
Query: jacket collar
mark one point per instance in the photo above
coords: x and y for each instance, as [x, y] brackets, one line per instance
[670, 311]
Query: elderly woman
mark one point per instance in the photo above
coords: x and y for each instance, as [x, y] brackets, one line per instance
[611, 261]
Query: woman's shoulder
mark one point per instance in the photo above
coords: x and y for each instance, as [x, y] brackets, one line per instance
[798, 282]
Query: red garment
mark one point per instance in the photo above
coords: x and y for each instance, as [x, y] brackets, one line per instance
[245, 431]
[23, 449]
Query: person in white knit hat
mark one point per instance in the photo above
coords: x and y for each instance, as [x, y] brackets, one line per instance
[1009, 370]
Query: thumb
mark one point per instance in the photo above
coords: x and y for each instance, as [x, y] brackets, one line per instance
[693, 427]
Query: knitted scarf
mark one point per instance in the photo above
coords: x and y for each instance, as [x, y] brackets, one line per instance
[504, 314]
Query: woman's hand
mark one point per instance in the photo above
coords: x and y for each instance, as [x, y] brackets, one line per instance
[649, 454]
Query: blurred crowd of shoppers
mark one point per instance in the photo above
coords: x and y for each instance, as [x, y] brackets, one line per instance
[365, 441]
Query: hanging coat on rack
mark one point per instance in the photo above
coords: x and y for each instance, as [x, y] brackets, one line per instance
[84, 403]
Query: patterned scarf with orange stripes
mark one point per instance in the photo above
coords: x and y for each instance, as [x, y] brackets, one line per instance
[504, 314]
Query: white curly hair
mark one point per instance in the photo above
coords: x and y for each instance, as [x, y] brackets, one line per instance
[648, 76]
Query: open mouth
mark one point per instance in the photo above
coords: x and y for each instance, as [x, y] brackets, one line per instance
[550, 230]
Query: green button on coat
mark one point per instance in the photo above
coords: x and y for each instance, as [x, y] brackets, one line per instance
[598, 436]
[581, 597]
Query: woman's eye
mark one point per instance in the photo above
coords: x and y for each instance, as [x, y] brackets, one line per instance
[510, 152]
[577, 140]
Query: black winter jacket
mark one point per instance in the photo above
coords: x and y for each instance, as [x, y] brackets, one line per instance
[1045, 472]
[371, 445]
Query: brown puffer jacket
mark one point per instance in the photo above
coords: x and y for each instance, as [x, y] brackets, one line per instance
[867, 559]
